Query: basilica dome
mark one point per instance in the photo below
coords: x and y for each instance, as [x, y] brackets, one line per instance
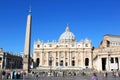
[67, 36]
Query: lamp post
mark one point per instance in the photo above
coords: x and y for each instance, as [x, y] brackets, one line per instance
[50, 63]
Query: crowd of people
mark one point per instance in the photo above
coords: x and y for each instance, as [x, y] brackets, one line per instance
[12, 74]
[105, 75]
[20, 74]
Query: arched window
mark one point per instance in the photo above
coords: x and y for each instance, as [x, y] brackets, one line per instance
[37, 62]
[38, 46]
[86, 61]
[66, 64]
[108, 43]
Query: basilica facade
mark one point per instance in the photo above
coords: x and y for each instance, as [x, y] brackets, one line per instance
[66, 54]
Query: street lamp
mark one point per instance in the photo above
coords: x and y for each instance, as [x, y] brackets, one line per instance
[50, 63]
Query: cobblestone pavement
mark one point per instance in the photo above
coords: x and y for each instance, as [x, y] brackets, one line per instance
[86, 77]
[78, 77]
[72, 78]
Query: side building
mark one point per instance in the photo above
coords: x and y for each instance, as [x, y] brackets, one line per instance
[10, 61]
[107, 56]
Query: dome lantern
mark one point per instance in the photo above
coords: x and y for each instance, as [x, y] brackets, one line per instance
[67, 29]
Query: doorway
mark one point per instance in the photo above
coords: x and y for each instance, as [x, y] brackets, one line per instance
[37, 62]
[86, 62]
[103, 64]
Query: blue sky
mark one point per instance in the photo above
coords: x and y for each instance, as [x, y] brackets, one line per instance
[90, 19]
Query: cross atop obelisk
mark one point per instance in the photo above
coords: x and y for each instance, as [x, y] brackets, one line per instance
[26, 58]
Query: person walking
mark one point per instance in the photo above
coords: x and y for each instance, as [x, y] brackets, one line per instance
[3, 75]
[105, 74]
[94, 77]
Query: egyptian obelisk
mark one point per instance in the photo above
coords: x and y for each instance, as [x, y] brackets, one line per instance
[26, 57]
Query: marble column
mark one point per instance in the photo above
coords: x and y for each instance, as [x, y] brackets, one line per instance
[54, 59]
[70, 59]
[99, 64]
[107, 64]
[58, 58]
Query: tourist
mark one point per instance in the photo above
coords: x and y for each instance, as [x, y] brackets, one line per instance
[105, 74]
[15, 75]
[3, 74]
[119, 73]
[83, 73]
[94, 77]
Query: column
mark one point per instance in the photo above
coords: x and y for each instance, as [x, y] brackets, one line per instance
[119, 62]
[47, 58]
[58, 58]
[107, 64]
[81, 58]
[83, 64]
[90, 64]
[5, 63]
[2, 66]
[42, 58]
[76, 60]
[70, 58]
[67, 60]
[99, 66]
[54, 58]
[64, 60]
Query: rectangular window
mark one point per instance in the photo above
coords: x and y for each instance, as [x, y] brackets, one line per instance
[73, 63]
[61, 63]
[56, 63]
[0, 58]
[50, 62]
[72, 45]
[66, 64]
[86, 45]
[50, 45]
[112, 60]
[116, 60]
